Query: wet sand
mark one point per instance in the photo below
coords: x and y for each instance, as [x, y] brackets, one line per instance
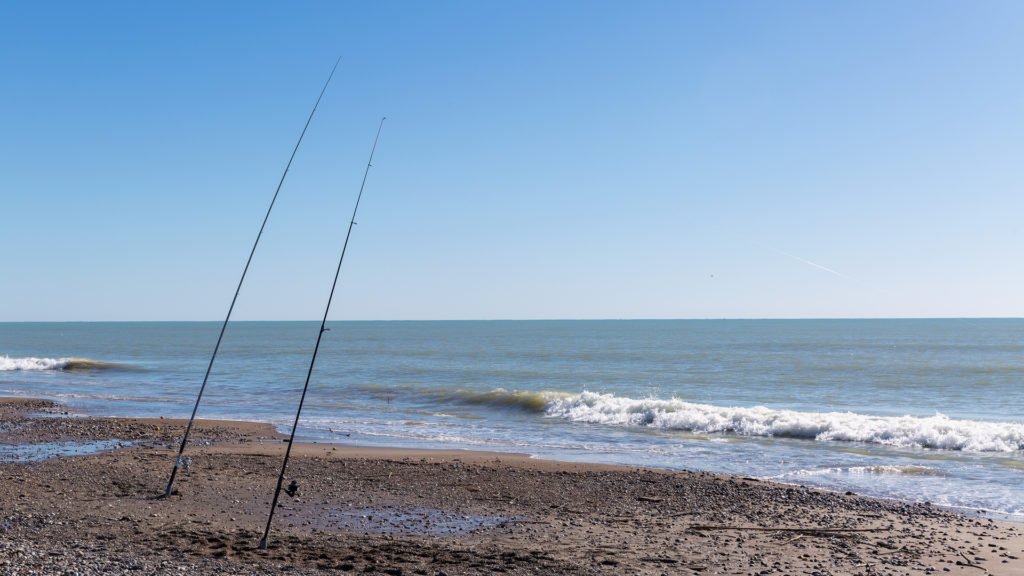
[393, 511]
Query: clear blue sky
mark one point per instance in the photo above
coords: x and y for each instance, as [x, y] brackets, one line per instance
[540, 160]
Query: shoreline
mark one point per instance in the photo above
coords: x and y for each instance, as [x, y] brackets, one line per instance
[424, 511]
[383, 450]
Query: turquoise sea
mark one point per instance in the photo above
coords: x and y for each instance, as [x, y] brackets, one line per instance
[917, 410]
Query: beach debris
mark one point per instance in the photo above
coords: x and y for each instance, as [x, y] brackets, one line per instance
[893, 551]
[967, 562]
[292, 489]
[186, 464]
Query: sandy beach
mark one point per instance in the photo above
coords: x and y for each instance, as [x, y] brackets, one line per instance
[388, 511]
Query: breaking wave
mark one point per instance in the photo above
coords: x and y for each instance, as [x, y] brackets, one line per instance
[938, 431]
[934, 432]
[8, 364]
[537, 402]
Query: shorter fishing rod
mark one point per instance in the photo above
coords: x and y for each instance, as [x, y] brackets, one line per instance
[223, 327]
[316, 348]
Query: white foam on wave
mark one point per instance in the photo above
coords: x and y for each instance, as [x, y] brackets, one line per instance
[938, 431]
[8, 364]
[876, 470]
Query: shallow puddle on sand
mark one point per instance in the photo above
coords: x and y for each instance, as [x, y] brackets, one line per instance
[412, 521]
[45, 450]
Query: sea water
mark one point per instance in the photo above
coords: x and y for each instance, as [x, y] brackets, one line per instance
[917, 410]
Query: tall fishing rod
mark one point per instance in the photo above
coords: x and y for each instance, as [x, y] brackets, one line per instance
[209, 367]
[319, 336]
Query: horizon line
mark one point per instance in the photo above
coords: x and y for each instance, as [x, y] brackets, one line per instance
[645, 319]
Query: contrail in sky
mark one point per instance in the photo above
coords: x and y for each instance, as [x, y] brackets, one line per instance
[809, 263]
[871, 287]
